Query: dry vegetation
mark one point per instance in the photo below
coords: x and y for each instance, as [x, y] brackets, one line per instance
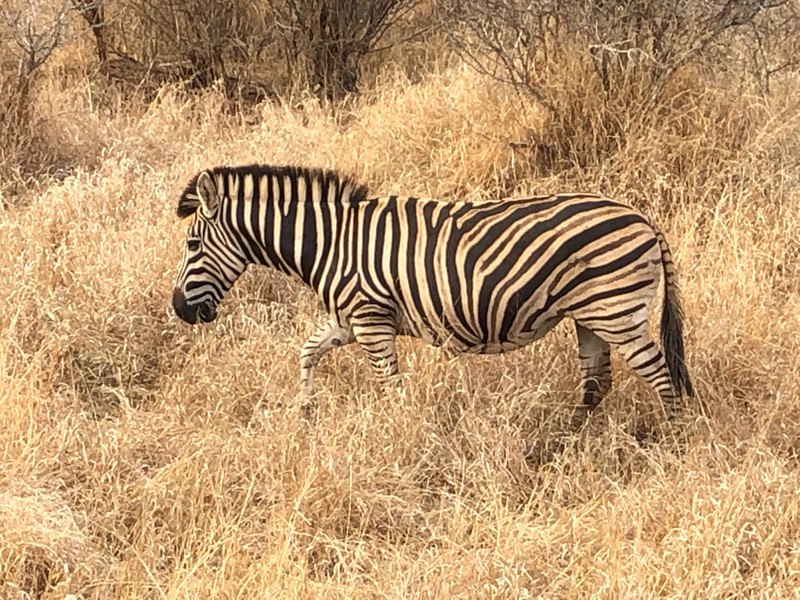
[142, 458]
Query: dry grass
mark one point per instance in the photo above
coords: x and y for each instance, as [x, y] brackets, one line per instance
[141, 458]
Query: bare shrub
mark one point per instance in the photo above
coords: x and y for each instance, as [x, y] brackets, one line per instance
[143, 44]
[275, 44]
[605, 71]
[198, 35]
[31, 38]
[328, 39]
[29, 34]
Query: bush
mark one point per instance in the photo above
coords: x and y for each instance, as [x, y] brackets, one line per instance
[29, 35]
[277, 44]
[606, 71]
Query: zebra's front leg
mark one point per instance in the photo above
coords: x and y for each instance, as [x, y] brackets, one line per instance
[378, 341]
[330, 336]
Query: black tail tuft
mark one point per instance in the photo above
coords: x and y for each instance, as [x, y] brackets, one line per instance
[672, 338]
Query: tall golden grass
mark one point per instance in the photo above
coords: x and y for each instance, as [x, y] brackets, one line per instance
[142, 458]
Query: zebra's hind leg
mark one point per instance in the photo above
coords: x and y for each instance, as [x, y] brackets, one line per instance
[327, 337]
[640, 352]
[595, 358]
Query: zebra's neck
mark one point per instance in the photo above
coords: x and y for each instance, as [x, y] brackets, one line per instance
[292, 223]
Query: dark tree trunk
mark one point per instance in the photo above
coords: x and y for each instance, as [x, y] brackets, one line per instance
[92, 11]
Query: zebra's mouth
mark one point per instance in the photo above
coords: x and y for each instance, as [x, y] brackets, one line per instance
[206, 311]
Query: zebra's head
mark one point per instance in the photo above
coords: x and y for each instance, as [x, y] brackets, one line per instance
[213, 259]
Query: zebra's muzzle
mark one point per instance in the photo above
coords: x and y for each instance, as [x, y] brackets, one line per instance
[206, 310]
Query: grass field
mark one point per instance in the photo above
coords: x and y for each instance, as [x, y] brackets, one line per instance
[143, 458]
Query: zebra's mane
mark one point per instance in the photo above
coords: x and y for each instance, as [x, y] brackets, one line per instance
[189, 200]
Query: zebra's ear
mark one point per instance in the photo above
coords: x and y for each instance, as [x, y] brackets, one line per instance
[207, 193]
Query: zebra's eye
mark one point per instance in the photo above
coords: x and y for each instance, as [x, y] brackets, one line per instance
[193, 245]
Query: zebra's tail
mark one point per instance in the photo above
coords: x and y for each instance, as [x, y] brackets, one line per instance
[672, 322]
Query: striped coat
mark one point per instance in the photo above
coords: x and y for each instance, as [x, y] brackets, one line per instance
[475, 277]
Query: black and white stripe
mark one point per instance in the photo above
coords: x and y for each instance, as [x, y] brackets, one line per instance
[477, 277]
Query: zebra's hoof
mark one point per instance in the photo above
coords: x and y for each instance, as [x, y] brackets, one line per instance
[309, 411]
[579, 417]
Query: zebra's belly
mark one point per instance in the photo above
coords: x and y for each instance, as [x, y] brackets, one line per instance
[467, 342]
[514, 342]
[496, 347]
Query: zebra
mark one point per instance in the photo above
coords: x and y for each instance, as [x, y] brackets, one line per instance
[474, 277]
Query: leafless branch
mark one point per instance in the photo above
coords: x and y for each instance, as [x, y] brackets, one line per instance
[331, 37]
[35, 34]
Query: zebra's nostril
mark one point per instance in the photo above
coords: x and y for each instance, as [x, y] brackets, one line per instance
[207, 312]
